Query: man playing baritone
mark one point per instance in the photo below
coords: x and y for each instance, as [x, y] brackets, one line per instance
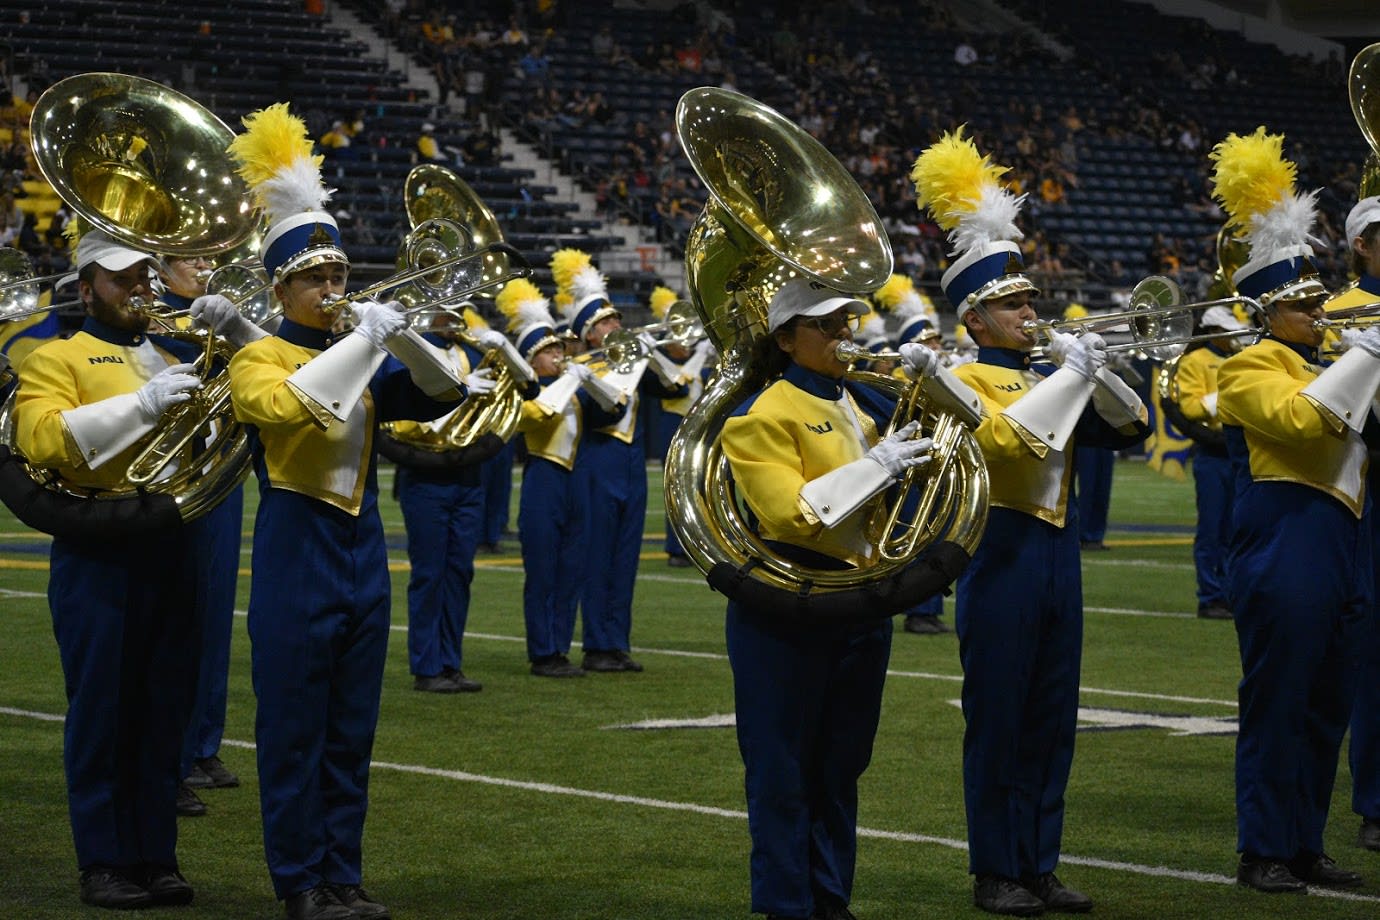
[122, 610]
[1019, 609]
[319, 598]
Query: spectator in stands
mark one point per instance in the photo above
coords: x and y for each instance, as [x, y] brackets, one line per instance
[428, 147]
[602, 44]
[334, 140]
[535, 66]
[514, 36]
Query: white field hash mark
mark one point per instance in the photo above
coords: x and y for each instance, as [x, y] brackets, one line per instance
[1186, 875]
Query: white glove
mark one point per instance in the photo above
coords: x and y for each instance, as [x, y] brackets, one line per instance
[1368, 340]
[704, 346]
[479, 383]
[897, 452]
[223, 318]
[490, 338]
[579, 371]
[919, 360]
[378, 322]
[1085, 355]
[167, 388]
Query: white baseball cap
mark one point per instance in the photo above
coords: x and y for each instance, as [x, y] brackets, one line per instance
[101, 248]
[799, 297]
[1366, 212]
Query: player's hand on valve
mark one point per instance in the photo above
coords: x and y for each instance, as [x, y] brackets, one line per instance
[900, 450]
[167, 388]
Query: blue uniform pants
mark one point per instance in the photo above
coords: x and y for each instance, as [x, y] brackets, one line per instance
[123, 617]
[216, 602]
[808, 700]
[1213, 484]
[551, 522]
[318, 623]
[1019, 619]
[1364, 753]
[1095, 466]
[443, 520]
[1300, 580]
[615, 477]
[496, 473]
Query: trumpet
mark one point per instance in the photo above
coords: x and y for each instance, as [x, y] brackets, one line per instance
[622, 349]
[1160, 323]
[681, 326]
[1362, 315]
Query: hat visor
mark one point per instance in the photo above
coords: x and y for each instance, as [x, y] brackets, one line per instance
[122, 259]
[854, 306]
[1302, 289]
[326, 255]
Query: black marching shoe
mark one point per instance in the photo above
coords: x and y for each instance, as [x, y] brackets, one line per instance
[833, 912]
[360, 904]
[1369, 836]
[678, 562]
[925, 625]
[556, 666]
[1319, 869]
[1059, 897]
[436, 683]
[218, 777]
[1214, 612]
[609, 661]
[166, 886]
[1093, 546]
[189, 804]
[319, 903]
[997, 894]
[1271, 876]
[102, 886]
[464, 683]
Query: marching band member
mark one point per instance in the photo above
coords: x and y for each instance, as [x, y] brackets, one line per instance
[552, 506]
[128, 647]
[1299, 561]
[1363, 236]
[319, 598]
[1095, 466]
[183, 282]
[1196, 380]
[669, 412]
[613, 467]
[496, 473]
[443, 511]
[806, 456]
[1019, 607]
[917, 323]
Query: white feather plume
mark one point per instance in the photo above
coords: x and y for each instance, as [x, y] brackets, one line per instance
[873, 329]
[1287, 225]
[534, 312]
[294, 189]
[588, 282]
[909, 306]
[993, 219]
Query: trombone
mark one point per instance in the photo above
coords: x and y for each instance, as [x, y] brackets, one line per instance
[1363, 315]
[1160, 323]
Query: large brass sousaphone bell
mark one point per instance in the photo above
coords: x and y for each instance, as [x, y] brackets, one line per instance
[783, 207]
[147, 165]
[448, 218]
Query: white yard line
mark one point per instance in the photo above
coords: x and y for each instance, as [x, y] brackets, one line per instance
[1185, 875]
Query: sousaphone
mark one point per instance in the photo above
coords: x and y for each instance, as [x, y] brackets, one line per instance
[147, 165]
[782, 207]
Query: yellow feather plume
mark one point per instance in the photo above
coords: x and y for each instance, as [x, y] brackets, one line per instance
[949, 177]
[473, 319]
[889, 295]
[273, 139]
[561, 300]
[565, 263]
[514, 294]
[1251, 175]
[662, 298]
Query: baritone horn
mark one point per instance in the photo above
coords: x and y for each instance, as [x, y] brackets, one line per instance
[782, 207]
[1160, 324]
[148, 166]
[454, 251]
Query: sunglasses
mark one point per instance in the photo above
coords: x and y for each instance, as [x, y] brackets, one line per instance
[831, 325]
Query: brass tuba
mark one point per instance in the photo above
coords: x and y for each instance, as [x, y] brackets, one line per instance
[147, 165]
[782, 207]
[448, 218]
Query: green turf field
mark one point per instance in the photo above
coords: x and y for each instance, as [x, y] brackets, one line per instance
[526, 801]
